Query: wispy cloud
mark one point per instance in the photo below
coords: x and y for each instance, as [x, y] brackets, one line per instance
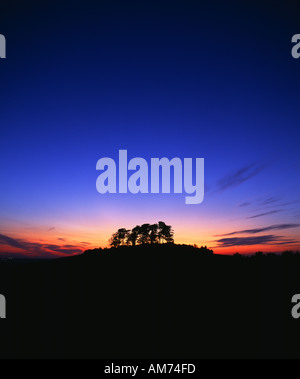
[261, 230]
[39, 248]
[265, 214]
[240, 176]
[258, 240]
[5, 240]
[290, 203]
[245, 204]
[65, 249]
[270, 200]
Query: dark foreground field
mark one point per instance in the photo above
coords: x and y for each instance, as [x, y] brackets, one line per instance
[151, 302]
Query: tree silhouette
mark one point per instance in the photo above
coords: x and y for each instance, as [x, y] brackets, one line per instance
[119, 238]
[153, 229]
[259, 254]
[165, 232]
[134, 235]
[205, 250]
[145, 234]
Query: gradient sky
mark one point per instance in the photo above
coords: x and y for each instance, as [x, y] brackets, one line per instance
[207, 79]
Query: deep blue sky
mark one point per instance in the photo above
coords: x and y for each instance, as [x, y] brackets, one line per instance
[209, 79]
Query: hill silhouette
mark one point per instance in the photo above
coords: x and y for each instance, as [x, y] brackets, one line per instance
[151, 301]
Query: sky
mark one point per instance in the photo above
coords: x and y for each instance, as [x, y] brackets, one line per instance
[188, 79]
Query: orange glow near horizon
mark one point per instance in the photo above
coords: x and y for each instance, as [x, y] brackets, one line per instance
[78, 229]
[64, 241]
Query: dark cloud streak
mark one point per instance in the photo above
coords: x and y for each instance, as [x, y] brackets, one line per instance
[245, 205]
[5, 240]
[239, 177]
[260, 230]
[250, 241]
[39, 248]
[265, 214]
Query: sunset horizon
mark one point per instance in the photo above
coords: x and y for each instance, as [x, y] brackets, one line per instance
[155, 95]
[56, 242]
[149, 197]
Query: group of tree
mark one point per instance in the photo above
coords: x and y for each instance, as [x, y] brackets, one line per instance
[144, 234]
[261, 255]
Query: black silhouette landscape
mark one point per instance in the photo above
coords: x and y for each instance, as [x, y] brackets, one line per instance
[151, 300]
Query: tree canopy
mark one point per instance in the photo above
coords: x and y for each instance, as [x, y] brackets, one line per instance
[144, 234]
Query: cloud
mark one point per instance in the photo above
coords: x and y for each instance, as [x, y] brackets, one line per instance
[270, 200]
[290, 203]
[66, 249]
[51, 229]
[260, 230]
[258, 240]
[80, 243]
[5, 240]
[245, 204]
[39, 248]
[265, 214]
[239, 177]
